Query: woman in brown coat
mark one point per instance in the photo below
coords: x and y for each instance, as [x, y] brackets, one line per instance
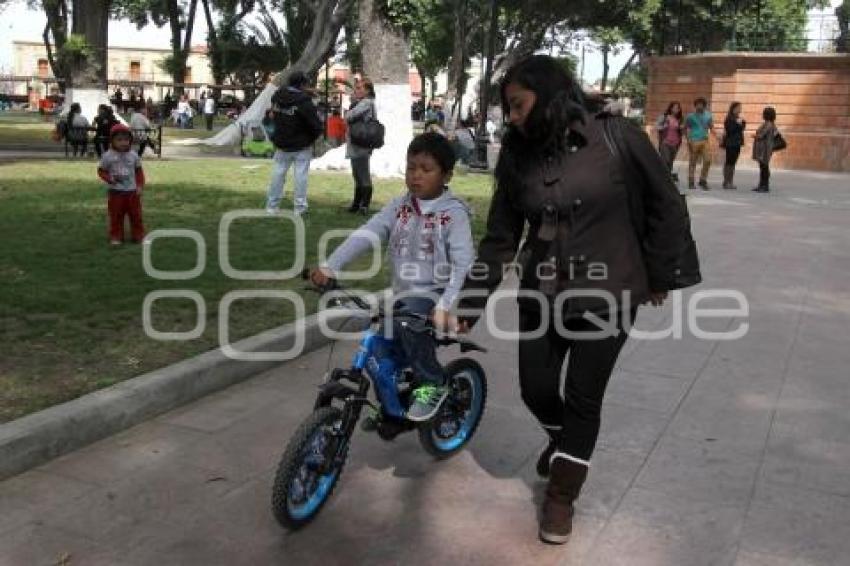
[596, 245]
[763, 148]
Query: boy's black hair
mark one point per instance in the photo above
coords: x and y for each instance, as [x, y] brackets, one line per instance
[435, 145]
[769, 114]
[701, 100]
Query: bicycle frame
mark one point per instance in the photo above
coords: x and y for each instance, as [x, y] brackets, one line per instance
[378, 357]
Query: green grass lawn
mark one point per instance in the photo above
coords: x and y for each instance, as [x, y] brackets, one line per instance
[28, 128]
[71, 307]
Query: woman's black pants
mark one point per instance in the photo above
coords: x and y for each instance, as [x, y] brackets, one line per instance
[572, 419]
[732, 154]
[362, 182]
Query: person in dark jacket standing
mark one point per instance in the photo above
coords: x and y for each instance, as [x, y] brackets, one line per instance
[733, 140]
[296, 127]
[763, 145]
[557, 173]
[103, 123]
[362, 108]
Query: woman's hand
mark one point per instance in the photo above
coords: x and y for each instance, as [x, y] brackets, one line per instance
[320, 276]
[657, 298]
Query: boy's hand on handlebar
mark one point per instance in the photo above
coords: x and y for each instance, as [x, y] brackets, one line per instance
[321, 276]
[445, 321]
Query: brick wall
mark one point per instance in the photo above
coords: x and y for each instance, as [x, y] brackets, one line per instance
[810, 92]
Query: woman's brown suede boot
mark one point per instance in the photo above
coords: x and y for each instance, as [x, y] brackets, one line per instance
[565, 480]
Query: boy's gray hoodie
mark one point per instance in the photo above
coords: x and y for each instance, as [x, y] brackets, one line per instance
[430, 244]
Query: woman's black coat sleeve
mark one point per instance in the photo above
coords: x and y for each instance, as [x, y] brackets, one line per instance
[665, 216]
[505, 224]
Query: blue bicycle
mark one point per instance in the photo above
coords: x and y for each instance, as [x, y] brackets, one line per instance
[314, 458]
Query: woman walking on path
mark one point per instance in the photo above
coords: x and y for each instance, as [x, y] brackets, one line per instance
[763, 148]
[670, 126]
[557, 173]
[362, 108]
[733, 140]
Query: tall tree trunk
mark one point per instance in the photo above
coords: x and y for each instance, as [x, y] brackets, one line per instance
[385, 61]
[91, 22]
[604, 83]
[55, 34]
[214, 47]
[457, 65]
[180, 43]
[421, 72]
[86, 69]
[385, 50]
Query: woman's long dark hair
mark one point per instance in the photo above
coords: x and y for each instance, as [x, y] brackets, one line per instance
[732, 106]
[73, 110]
[669, 111]
[369, 86]
[559, 103]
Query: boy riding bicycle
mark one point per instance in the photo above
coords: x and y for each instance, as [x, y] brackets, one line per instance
[430, 248]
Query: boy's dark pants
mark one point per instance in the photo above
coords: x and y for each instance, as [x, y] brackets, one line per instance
[122, 204]
[415, 340]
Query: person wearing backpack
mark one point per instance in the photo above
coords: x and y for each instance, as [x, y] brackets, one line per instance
[362, 108]
[296, 127]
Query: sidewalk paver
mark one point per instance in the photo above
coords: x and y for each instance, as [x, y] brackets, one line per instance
[711, 452]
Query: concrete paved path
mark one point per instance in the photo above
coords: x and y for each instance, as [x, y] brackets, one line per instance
[711, 453]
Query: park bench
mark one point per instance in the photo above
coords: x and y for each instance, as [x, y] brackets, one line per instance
[73, 134]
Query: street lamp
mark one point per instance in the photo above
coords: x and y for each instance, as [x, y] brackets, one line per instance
[479, 157]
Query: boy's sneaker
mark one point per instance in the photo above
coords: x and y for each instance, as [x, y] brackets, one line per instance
[272, 211]
[370, 422]
[703, 184]
[115, 242]
[426, 401]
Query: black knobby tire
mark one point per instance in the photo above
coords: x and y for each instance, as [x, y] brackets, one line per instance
[429, 432]
[291, 464]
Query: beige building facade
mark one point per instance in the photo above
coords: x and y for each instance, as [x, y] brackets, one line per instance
[128, 64]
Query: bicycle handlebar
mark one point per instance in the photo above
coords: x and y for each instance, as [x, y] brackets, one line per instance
[333, 285]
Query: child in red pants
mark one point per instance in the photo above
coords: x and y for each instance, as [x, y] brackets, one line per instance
[121, 169]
